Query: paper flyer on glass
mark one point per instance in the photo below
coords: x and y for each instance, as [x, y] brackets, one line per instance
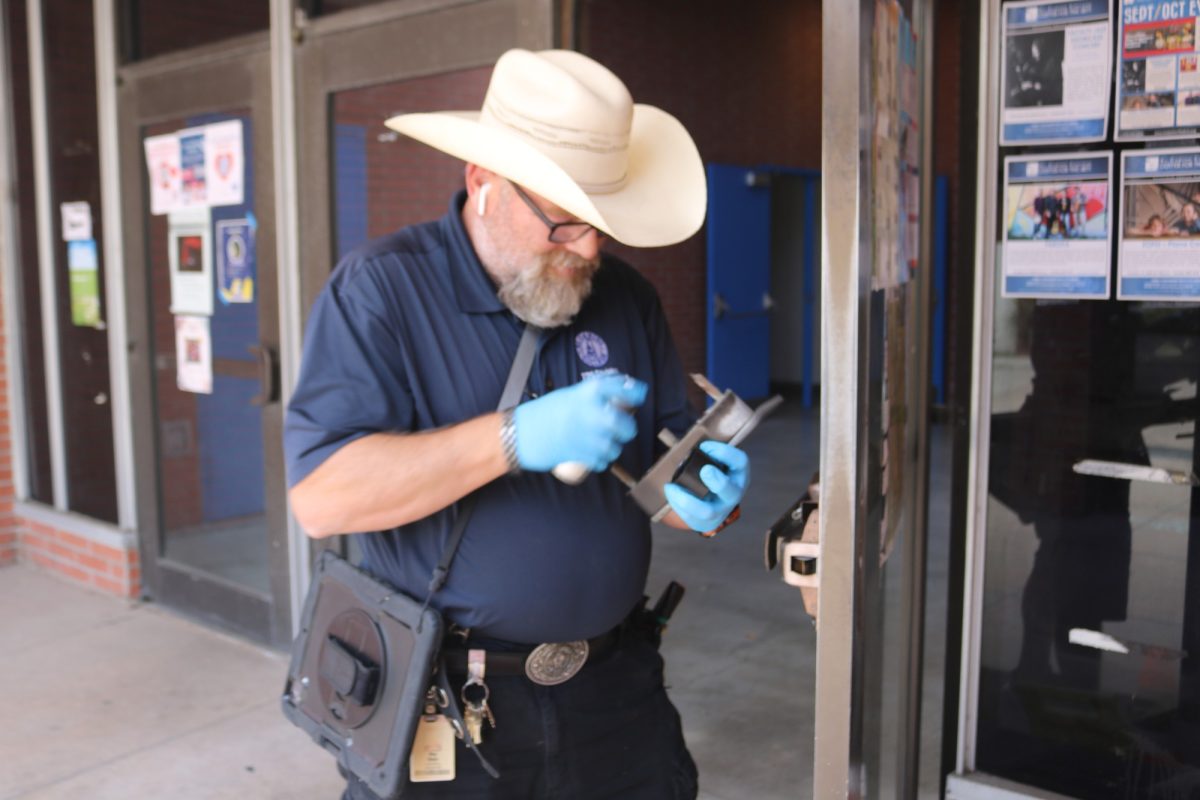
[1158, 83]
[1056, 230]
[1158, 257]
[193, 354]
[1057, 61]
[224, 163]
[236, 260]
[162, 165]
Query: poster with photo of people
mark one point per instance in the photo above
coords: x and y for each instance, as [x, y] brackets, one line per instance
[1056, 226]
[1159, 245]
[1055, 75]
[1158, 83]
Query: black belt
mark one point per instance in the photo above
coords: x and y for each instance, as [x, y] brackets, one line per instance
[515, 662]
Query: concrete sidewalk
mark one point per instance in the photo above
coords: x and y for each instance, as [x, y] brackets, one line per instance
[109, 699]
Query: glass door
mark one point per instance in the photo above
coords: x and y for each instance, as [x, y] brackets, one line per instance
[1082, 668]
[200, 245]
[357, 68]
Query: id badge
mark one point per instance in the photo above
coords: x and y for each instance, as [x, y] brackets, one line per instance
[432, 756]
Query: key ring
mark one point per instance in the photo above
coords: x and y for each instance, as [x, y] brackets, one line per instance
[475, 672]
[470, 684]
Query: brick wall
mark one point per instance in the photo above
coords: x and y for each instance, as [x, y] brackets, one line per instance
[408, 182]
[743, 78]
[112, 568]
[758, 64]
[8, 533]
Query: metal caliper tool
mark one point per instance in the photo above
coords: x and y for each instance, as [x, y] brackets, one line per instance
[728, 420]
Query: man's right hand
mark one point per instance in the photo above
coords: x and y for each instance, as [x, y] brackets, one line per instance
[585, 423]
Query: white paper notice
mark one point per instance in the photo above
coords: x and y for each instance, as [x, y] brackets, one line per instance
[193, 175]
[162, 162]
[76, 221]
[193, 355]
[190, 257]
[1056, 71]
[1158, 257]
[224, 164]
[1056, 226]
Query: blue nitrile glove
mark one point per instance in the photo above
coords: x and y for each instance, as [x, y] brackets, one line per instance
[583, 423]
[725, 489]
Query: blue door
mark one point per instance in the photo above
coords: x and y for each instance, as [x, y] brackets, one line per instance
[739, 274]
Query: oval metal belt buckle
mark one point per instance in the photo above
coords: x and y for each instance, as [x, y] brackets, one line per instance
[555, 662]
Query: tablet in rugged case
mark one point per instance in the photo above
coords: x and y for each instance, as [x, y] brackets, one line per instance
[360, 672]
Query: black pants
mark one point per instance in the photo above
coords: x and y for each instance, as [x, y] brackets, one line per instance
[608, 732]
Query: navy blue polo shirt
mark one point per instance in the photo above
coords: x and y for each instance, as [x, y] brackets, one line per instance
[409, 335]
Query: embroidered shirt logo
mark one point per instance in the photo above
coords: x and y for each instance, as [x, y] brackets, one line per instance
[591, 349]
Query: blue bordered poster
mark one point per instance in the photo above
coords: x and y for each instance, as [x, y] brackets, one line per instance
[1158, 80]
[236, 260]
[1056, 226]
[1158, 257]
[1055, 72]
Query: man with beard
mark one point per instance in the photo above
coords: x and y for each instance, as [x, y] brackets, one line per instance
[392, 423]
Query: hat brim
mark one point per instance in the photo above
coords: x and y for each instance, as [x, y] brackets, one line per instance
[662, 201]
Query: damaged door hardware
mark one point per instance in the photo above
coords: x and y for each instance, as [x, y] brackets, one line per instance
[729, 420]
[793, 544]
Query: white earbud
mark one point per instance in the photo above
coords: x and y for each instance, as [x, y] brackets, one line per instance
[483, 190]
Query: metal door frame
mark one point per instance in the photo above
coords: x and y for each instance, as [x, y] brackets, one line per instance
[150, 91]
[981, 385]
[850, 629]
[965, 783]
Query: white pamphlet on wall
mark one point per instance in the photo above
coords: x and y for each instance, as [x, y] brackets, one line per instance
[162, 164]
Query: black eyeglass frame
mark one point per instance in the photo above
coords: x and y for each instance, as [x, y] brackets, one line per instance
[560, 232]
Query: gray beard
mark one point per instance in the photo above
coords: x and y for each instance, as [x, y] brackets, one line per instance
[540, 298]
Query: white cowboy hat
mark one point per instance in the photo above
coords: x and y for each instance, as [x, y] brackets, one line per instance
[564, 127]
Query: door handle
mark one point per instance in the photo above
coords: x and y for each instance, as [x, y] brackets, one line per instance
[1134, 472]
[268, 374]
[793, 544]
[720, 307]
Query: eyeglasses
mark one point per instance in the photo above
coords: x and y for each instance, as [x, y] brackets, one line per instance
[560, 232]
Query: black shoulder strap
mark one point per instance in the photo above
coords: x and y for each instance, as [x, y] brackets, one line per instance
[513, 388]
[522, 364]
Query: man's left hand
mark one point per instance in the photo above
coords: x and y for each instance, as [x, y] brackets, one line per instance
[725, 488]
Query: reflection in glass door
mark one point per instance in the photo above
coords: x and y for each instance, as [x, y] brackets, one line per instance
[1088, 681]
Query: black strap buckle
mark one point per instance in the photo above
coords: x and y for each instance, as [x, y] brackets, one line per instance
[351, 674]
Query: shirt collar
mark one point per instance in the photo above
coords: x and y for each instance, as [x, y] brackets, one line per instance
[473, 287]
